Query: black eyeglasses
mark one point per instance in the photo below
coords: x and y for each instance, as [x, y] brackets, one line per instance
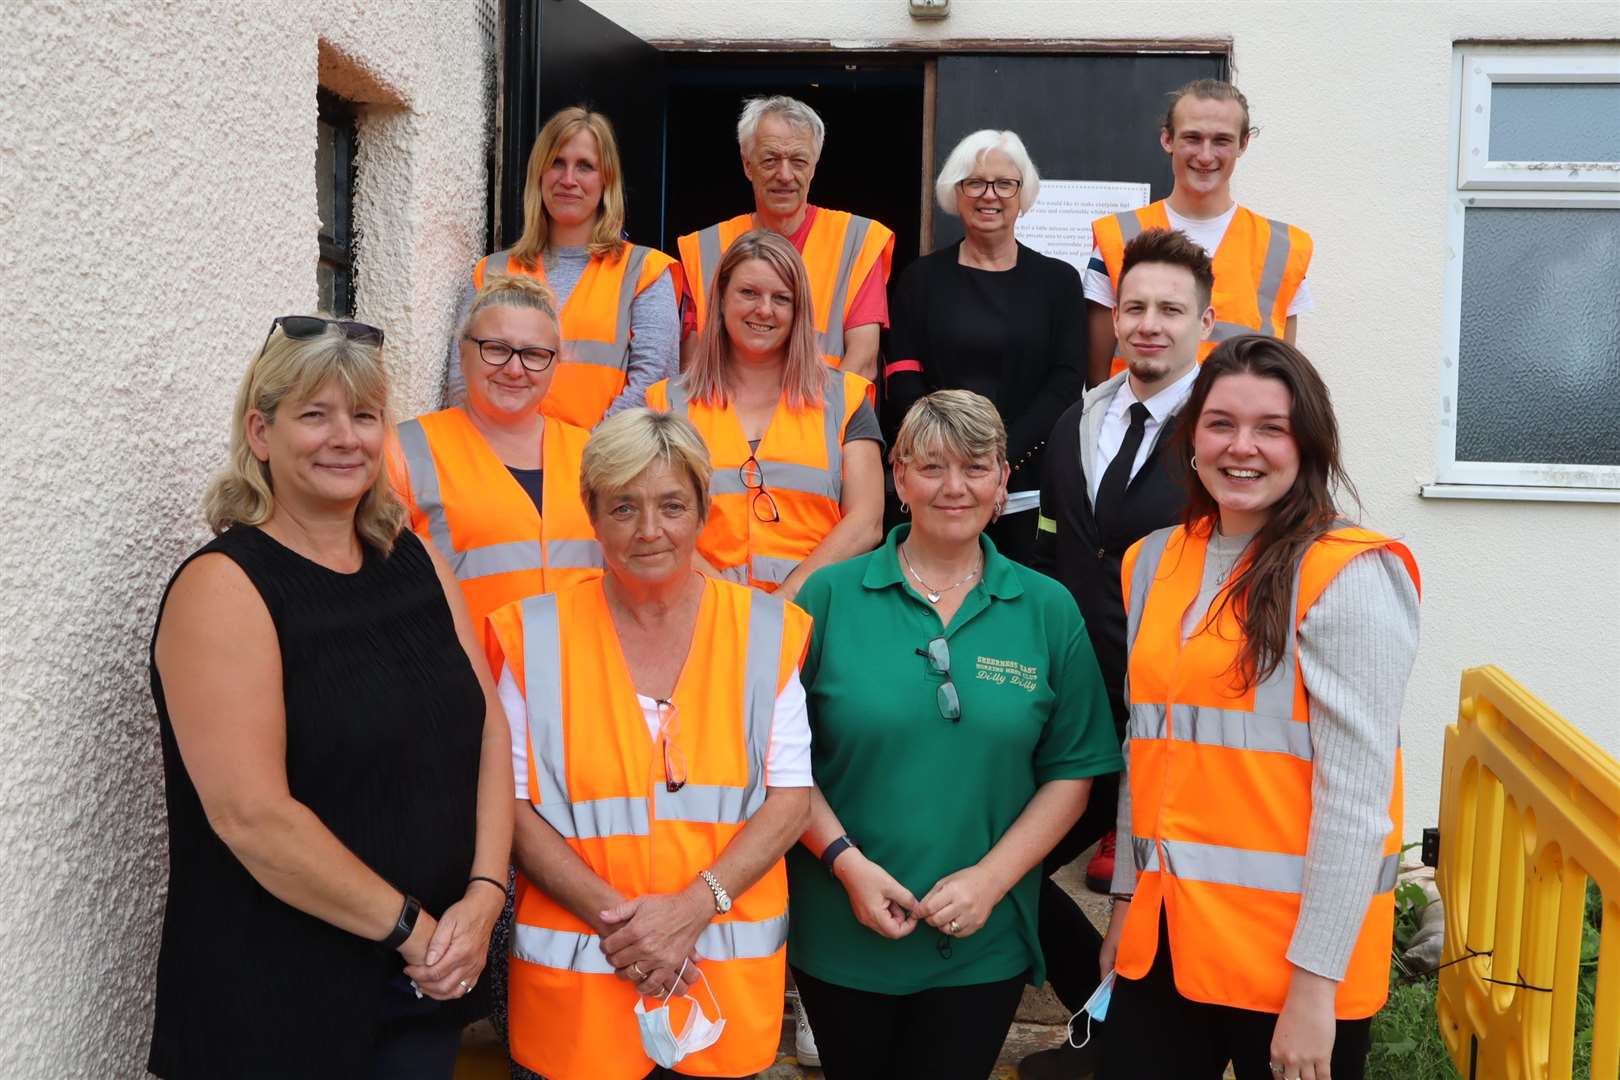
[752, 475]
[975, 186]
[938, 653]
[304, 327]
[497, 353]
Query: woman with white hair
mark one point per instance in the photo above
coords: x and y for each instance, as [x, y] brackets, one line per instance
[990, 315]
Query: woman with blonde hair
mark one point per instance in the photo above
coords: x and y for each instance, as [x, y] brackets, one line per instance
[957, 717]
[618, 301]
[338, 770]
[662, 766]
[798, 470]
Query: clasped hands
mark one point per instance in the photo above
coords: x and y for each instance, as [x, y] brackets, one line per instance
[651, 940]
[444, 957]
[957, 905]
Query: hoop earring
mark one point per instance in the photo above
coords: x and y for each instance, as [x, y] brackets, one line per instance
[998, 510]
[1195, 463]
[904, 509]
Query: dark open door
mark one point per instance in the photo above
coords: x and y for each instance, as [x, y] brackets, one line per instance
[558, 53]
[1082, 116]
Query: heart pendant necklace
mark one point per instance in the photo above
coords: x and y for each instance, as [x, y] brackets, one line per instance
[929, 591]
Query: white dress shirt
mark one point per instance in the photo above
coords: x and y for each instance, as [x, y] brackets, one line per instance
[1116, 422]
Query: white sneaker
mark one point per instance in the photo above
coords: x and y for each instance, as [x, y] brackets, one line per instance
[804, 1040]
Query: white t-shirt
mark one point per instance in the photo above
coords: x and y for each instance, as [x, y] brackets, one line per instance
[1205, 232]
[1116, 422]
[786, 765]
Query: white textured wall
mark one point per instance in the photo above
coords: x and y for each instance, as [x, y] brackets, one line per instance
[1354, 100]
[157, 208]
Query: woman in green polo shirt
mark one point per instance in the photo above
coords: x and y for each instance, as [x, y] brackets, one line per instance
[957, 716]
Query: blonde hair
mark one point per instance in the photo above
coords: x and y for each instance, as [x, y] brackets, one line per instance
[957, 423]
[606, 235]
[513, 291]
[628, 443]
[289, 369]
[803, 370]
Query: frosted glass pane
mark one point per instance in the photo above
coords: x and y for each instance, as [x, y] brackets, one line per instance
[1538, 365]
[1555, 122]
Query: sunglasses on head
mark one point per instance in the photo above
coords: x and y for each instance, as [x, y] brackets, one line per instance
[304, 327]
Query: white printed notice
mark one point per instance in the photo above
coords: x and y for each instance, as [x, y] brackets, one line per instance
[1059, 224]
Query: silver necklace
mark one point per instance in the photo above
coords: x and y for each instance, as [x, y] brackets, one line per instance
[929, 591]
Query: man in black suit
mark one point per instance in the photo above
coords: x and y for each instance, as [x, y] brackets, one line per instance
[1108, 481]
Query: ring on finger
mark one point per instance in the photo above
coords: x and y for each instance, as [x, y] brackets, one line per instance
[637, 969]
[953, 928]
[465, 985]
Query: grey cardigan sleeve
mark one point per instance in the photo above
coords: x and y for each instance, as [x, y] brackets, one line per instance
[1356, 648]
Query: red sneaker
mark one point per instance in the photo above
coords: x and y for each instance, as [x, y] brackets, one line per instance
[1100, 870]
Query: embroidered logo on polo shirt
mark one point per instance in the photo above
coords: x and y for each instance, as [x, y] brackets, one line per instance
[989, 669]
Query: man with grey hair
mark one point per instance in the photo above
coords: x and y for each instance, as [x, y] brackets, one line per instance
[848, 257]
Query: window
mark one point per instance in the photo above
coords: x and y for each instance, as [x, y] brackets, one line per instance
[1530, 389]
[334, 187]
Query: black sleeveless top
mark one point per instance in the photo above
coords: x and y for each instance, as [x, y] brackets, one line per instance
[384, 727]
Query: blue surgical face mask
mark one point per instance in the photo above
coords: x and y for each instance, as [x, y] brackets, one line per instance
[659, 1040]
[1095, 1008]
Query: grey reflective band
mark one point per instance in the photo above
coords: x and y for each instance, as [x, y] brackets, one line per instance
[629, 815]
[569, 950]
[1225, 331]
[777, 476]
[1274, 871]
[1144, 854]
[708, 263]
[496, 264]
[475, 562]
[1146, 721]
[737, 575]
[770, 569]
[615, 353]
[832, 339]
[679, 399]
[1130, 226]
[574, 554]
[1271, 277]
[832, 429]
[597, 817]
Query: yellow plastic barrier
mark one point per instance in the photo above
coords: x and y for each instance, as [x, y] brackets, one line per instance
[1529, 809]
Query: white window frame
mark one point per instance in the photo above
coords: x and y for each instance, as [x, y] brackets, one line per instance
[1480, 182]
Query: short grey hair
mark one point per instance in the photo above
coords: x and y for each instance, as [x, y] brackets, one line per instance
[959, 166]
[794, 111]
[628, 443]
[951, 423]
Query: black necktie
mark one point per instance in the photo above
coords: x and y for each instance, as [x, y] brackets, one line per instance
[1111, 492]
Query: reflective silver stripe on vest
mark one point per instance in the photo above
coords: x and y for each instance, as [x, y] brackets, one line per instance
[496, 264]
[777, 476]
[1147, 563]
[569, 950]
[737, 575]
[1146, 721]
[574, 554]
[708, 260]
[1271, 277]
[832, 339]
[590, 818]
[771, 569]
[474, 562]
[1144, 854]
[767, 616]
[1130, 226]
[1226, 331]
[1273, 871]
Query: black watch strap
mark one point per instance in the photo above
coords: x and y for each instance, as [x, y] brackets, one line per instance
[837, 848]
[405, 924]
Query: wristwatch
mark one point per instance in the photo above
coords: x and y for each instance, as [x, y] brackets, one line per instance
[722, 899]
[404, 924]
[837, 848]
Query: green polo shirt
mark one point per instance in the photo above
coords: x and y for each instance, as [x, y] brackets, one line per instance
[925, 797]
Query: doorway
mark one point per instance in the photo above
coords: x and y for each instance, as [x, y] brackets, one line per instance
[870, 162]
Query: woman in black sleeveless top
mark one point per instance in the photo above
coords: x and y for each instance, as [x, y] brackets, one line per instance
[339, 785]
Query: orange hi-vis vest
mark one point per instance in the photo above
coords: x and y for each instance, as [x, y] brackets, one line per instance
[596, 777]
[1258, 268]
[465, 502]
[592, 369]
[838, 254]
[801, 461]
[1220, 787]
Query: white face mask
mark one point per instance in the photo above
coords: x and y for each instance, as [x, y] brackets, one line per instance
[659, 1040]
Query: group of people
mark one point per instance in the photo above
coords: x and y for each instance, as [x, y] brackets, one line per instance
[599, 700]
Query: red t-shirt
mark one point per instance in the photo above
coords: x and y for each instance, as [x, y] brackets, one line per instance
[871, 299]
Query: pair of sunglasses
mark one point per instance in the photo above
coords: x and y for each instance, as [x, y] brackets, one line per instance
[761, 503]
[669, 726]
[304, 327]
[938, 654]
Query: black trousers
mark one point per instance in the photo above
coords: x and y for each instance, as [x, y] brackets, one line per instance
[1206, 1037]
[952, 1033]
[1072, 945]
